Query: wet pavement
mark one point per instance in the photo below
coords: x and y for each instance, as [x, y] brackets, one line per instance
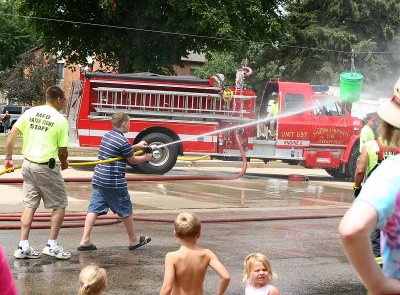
[306, 253]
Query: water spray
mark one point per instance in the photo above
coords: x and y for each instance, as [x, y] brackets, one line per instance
[284, 115]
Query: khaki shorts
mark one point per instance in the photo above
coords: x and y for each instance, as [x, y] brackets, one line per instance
[41, 182]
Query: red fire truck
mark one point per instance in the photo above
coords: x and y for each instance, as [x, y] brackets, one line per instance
[188, 115]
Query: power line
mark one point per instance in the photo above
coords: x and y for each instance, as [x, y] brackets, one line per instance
[130, 28]
[193, 35]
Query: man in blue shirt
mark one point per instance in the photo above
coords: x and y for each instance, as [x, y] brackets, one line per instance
[110, 189]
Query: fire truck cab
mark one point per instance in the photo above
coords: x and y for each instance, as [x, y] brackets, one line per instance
[313, 128]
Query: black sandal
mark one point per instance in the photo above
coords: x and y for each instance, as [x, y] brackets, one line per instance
[142, 241]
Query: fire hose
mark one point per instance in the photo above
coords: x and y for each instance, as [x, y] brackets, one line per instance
[46, 217]
[194, 158]
[112, 219]
[109, 219]
[137, 153]
[145, 177]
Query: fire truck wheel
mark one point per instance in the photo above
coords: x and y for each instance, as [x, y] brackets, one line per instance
[349, 169]
[164, 159]
[352, 165]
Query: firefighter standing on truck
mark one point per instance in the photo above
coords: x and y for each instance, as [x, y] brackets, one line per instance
[271, 123]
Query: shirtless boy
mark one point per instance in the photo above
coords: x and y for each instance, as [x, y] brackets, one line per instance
[185, 269]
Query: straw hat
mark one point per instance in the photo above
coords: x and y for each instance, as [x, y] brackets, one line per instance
[389, 111]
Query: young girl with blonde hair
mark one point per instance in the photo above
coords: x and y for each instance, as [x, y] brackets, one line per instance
[258, 274]
[92, 280]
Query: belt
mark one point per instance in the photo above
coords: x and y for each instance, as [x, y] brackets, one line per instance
[44, 163]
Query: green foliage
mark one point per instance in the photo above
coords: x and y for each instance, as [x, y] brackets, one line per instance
[326, 75]
[340, 27]
[147, 50]
[14, 35]
[28, 80]
[220, 63]
[264, 60]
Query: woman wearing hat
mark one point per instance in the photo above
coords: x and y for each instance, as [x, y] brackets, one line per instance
[378, 205]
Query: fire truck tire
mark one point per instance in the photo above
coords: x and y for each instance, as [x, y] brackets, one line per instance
[352, 164]
[164, 159]
[349, 169]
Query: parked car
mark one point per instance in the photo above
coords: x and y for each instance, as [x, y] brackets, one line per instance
[15, 112]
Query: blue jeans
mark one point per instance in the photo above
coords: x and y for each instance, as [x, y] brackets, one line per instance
[6, 127]
[105, 198]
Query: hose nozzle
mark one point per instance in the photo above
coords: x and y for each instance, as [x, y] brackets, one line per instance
[150, 149]
[146, 150]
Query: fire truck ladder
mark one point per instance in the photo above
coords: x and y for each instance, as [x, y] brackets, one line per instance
[157, 103]
[72, 110]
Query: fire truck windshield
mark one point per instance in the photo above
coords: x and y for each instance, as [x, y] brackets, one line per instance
[327, 108]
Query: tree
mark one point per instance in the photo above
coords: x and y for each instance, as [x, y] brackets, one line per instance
[28, 80]
[220, 63]
[15, 37]
[227, 63]
[148, 49]
[340, 27]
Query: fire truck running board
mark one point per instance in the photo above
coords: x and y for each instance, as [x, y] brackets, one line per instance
[264, 141]
[264, 147]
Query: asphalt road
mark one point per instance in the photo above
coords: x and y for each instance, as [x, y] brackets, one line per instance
[306, 253]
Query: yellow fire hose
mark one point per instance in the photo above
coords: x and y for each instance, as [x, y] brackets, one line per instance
[10, 169]
[90, 163]
[194, 158]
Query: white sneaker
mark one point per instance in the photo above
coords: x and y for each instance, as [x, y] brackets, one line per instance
[57, 252]
[28, 253]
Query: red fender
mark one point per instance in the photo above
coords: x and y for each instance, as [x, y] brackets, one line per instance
[248, 70]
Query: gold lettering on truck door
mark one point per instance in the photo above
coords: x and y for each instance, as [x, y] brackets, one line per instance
[288, 134]
[302, 134]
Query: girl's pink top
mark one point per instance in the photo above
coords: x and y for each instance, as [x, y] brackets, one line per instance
[250, 290]
[7, 284]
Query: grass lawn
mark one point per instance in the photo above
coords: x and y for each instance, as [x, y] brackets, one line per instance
[72, 152]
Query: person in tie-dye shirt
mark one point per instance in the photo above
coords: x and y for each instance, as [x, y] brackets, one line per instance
[378, 205]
